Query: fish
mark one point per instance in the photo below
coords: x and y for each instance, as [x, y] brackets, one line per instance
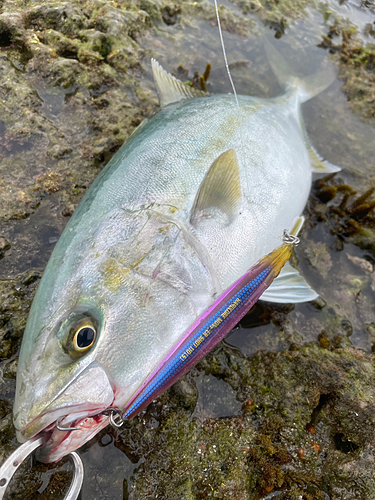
[197, 195]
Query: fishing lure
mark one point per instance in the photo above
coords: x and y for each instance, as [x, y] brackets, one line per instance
[216, 322]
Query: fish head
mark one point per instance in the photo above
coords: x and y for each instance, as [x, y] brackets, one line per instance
[110, 305]
[60, 378]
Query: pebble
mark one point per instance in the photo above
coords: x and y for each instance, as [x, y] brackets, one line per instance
[364, 264]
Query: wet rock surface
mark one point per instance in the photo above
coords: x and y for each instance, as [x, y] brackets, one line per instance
[286, 404]
[304, 450]
[356, 62]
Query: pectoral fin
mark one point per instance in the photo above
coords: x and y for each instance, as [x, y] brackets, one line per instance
[289, 287]
[220, 189]
[170, 89]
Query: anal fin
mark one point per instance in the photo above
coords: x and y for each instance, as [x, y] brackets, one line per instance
[297, 225]
[318, 165]
[289, 287]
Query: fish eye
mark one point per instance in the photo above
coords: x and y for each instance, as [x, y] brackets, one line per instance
[84, 338]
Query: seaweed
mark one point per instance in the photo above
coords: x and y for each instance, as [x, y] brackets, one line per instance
[356, 63]
[350, 215]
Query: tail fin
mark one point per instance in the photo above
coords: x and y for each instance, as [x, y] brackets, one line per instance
[307, 87]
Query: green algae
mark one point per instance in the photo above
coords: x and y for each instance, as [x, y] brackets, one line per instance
[275, 444]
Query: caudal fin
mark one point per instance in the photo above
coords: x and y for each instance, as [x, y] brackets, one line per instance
[288, 76]
[306, 88]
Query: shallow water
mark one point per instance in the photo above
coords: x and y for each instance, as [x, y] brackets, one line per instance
[341, 278]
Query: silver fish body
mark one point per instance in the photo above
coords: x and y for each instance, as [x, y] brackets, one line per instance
[141, 260]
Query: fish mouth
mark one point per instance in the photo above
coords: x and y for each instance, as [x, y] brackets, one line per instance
[58, 442]
[79, 404]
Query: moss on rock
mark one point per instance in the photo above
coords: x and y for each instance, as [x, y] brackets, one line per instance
[16, 296]
[308, 417]
[356, 62]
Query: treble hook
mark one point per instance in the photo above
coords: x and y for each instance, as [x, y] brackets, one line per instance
[60, 428]
[12, 463]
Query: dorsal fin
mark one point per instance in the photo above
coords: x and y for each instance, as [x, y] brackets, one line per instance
[170, 89]
[220, 189]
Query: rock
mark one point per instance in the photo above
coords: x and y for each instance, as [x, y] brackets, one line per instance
[319, 257]
[4, 246]
[365, 265]
[259, 451]
[171, 14]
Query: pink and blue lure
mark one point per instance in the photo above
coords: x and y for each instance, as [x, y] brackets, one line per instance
[216, 322]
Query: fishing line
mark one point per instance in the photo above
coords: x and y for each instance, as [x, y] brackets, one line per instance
[233, 87]
[224, 52]
[236, 98]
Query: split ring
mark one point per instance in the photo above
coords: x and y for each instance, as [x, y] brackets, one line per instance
[12, 463]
